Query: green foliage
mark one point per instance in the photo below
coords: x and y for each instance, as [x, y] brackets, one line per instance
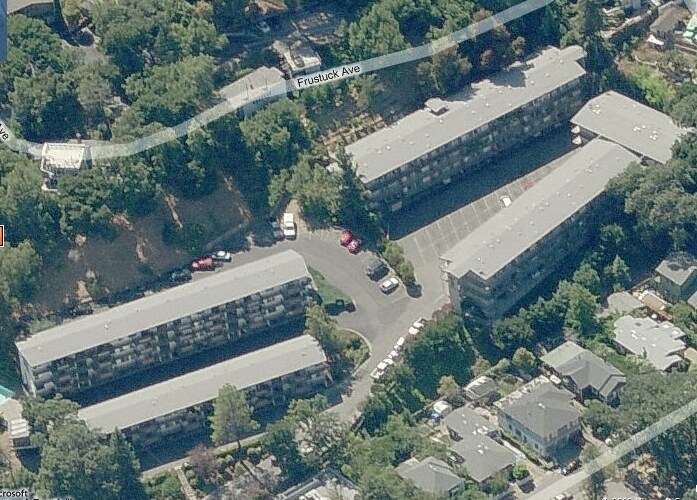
[449, 389]
[524, 361]
[511, 332]
[655, 90]
[203, 463]
[164, 486]
[317, 191]
[445, 73]
[43, 415]
[331, 296]
[520, 472]
[587, 277]
[582, 311]
[376, 33]
[18, 272]
[344, 350]
[232, 416]
[394, 255]
[279, 441]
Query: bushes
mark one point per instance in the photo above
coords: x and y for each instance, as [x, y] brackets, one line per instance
[164, 487]
[394, 255]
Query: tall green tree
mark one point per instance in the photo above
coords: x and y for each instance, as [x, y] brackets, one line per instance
[232, 417]
[46, 414]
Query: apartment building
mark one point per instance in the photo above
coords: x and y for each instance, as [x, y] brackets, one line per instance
[505, 258]
[644, 131]
[180, 406]
[166, 326]
[461, 133]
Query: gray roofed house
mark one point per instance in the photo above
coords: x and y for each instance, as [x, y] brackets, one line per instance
[327, 484]
[659, 343]
[584, 373]
[202, 386]
[431, 475]
[541, 415]
[184, 300]
[512, 252]
[635, 126]
[35, 8]
[676, 276]
[481, 389]
[253, 87]
[425, 130]
[482, 457]
[464, 421]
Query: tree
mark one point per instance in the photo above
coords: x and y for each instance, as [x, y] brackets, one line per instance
[368, 90]
[203, 462]
[376, 33]
[618, 273]
[450, 390]
[653, 87]
[380, 483]
[583, 308]
[512, 332]
[229, 14]
[43, 415]
[445, 73]
[126, 468]
[279, 441]
[520, 472]
[587, 277]
[232, 417]
[524, 361]
[593, 486]
[375, 410]
[317, 191]
[19, 267]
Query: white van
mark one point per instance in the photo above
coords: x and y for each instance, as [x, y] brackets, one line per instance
[289, 230]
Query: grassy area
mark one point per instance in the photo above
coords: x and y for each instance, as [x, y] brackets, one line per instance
[331, 296]
[355, 348]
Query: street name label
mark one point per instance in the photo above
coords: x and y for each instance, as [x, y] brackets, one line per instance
[4, 134]
[336, 74]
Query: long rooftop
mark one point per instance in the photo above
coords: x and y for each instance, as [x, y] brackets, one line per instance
[149, 312]
[639, 128]
[659, 343]
[538, 211]
[423, 131]
[203, 385]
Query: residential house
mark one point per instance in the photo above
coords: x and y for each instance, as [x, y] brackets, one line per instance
[671, 16]
[462, 133]
[432, 476]
[328, 484]
[464, 421]
[165, 327]
[644, 131]
[660, 344]
[255, 90]
[298, 56]
[61, 159]
[482, 457]
[676, 276]
[496, 265]
[584, 373]
[481, 390]
[272, 376]
[541, 415]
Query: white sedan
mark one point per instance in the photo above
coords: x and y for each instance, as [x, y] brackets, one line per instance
[389, 285]
[418, 325]
[222, 256]
[400, 343]
[393, 354]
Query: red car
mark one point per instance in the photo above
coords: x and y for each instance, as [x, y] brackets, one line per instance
[346, 238]
[354, 246]
[203, 264]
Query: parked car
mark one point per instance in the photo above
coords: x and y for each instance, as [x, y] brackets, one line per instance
[389, 285]
[376, 374]
[346, 237]
[394, 354]
[354, 246]
[563, 496]
[417, 326]
[570, 467]
[181, 276]
[400, 343]
[222, 256]
[382, 366]
[276, 230]
[376, 269]
[289, 229]
[388, 361]
[203, 264]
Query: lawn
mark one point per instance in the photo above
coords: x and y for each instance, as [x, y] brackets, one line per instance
[354, 347]
[333, 299]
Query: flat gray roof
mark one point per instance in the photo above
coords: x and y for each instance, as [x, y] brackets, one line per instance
[464, 421]
[678, 267]
[660, 343]
[639, 128]
[149, 312]
[555, 198]
[203, 385]
[483, 457]
[422, 131]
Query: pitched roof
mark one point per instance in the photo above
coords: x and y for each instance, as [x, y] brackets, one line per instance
[678, 267]
[481, 386]
[639, 128]
[178, 302]
[423, 131]
[430, 474]
[464, 421]
[482, 456]
[201, 386]
[538, 211]
[541, 407]
[584, 368]
[660, 343]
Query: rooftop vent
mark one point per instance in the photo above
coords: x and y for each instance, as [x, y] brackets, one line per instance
[436, 106]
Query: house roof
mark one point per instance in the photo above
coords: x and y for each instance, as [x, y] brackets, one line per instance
[17, 5]
[178, 302]
[250, 86]
[540, 407]
[660, 343]
[639, 128]
[481, 386]
[465, 421]
[482, 456]
[497, 242]
[584, 368]
[65, 155]
[678, 267]
[431, 474]
[424, 131]
[669, 16]
[324, 485]
[203, 385]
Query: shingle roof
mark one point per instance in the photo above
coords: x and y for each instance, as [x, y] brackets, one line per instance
[481, 386]
[541, 407]
[203, 385]
[483, 457]
[639, 128]
[659, 342]
[538, 211]
[422, 131]
[464, 421]
[584, 368]
[149, 312]
[678, 267]
[430, 475]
